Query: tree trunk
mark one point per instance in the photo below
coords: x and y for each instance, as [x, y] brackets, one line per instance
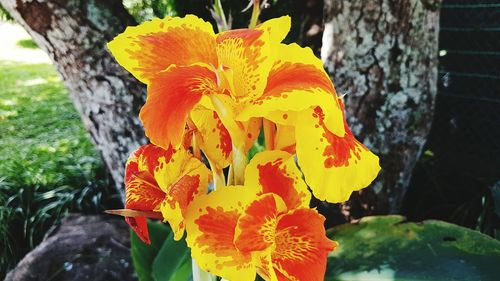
[108, 98]
[383, 55]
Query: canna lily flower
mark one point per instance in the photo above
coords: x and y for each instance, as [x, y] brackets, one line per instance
[220, 83]
[162, 183]
[264, 226]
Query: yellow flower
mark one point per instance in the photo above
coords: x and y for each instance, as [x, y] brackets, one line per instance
[263, 227]
[223, 84]
[162, 181]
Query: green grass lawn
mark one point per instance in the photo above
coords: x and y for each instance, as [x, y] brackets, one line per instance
[48, 166]
[42, 140]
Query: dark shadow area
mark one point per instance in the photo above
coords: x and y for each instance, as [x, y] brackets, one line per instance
[461, 161]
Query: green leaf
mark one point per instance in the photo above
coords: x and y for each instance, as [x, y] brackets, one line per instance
[143, 255]
[389, 248]
[173, 262]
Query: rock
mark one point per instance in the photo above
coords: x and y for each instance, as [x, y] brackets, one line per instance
[92, 248]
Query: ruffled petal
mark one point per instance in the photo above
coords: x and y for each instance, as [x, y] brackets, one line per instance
[211, 224]
[151, 47]
[301, 246]
[171, 96]
[214, 138]
[182, 178]
[141, 189]
[245, 59]
[334, 166]
[275, 172]
[296, 82]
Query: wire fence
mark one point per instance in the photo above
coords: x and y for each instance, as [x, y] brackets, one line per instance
[462, 159]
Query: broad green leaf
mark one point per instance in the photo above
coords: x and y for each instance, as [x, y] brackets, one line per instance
[389, 248]
[143, 255]
[173, 262]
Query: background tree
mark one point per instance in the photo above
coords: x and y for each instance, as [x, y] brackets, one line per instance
[383, 56]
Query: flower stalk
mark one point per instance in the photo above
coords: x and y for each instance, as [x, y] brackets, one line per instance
[255, 14]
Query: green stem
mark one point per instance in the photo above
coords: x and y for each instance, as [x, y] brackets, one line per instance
[255, 14]
[220, 12]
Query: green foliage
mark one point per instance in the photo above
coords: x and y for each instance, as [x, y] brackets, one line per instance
[389, 248]
[27, 43]
[43, 142]
[173, 261]
[48, 167]
[165, 259]
[143, 10]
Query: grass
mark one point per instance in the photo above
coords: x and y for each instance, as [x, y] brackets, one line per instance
[27, 43]
[48, 165]
[40, 129]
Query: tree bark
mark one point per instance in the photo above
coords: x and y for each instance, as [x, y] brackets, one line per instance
[383, 55]
[108, 99]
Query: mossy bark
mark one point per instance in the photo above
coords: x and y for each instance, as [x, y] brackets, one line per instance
[383, 55]
[74, 34]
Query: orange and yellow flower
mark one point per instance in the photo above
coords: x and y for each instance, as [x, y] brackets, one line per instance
[264, 226]
[162, 181]
[224, 84]
[217, 92]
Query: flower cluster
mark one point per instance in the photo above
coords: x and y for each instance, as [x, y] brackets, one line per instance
[209, 97]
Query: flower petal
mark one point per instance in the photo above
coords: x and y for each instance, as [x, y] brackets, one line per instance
[256, 228]
[141, 189]
[296, 82]
[171, 95]
[333, 166]
[211, 224]
[245, 58]
[278, 28]
[182, 178]
[154, 45]
[275, 172]
[252, 130]
[214, 139]
[301, 246]
[140, 226]
[285, 138]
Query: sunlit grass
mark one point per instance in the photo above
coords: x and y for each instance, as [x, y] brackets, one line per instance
[48, 165]
[27, 43]
[41, 129]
